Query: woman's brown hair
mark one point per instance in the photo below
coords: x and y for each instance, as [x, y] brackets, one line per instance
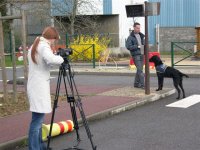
[48, 33]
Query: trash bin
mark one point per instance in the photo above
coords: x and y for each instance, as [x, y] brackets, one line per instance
[151, 65]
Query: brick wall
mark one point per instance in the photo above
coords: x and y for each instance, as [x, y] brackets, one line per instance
[175, 34]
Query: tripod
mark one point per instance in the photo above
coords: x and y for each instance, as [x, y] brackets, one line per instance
[73, 102]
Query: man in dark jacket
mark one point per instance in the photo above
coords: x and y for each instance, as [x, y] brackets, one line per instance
[135, 44]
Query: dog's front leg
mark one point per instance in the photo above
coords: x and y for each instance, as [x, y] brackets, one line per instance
[160, 82]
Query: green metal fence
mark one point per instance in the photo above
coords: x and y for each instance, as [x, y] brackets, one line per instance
[183, 49]
[90, 47]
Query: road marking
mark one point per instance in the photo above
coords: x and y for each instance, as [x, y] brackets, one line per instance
[12, 67]
[186, 102]
[23, 78]
[52, 77]
[2, 80]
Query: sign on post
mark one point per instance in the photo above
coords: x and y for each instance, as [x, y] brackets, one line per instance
[153, 9]
[138, 10]
[135, 10]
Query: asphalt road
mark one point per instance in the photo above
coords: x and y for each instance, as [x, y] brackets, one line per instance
[150, 127]
[84, 79]
[9, 72]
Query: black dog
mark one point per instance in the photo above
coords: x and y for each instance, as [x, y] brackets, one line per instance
[163, 70]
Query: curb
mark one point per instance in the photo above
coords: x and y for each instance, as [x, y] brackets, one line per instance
[104, 73]
[97, 116]
[128, 106]
[14, 143]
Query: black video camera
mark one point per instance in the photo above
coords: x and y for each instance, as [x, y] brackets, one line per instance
[64, 52]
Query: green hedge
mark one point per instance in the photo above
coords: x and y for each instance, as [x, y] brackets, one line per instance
[8, 61]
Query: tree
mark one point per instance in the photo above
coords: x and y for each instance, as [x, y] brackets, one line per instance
[11, 29]
[2, 58]
[76, 15]
[3, 10]
[5, 25]
[69, 16]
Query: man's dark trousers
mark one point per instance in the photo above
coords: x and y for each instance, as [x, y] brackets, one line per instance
[139, 77]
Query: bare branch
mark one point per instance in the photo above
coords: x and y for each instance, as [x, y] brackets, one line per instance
[70, 15]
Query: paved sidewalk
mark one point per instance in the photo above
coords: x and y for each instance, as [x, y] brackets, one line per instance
[103, 102]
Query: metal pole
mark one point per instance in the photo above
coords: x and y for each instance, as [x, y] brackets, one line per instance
[172, 54]
[93, 51]
[158, 37]
[147, 81]
[10, 38]
[67, 40]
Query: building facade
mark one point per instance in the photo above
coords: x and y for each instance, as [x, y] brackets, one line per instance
[176, 23]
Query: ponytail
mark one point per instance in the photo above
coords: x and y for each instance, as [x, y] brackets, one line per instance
[48, 33]
[34, 49]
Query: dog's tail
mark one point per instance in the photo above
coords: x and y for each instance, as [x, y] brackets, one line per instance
[184, 75]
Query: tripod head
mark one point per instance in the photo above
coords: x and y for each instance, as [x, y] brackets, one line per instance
[64, 52]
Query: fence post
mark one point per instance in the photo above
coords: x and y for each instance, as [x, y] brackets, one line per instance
[23, 31]
[3, 65]
[172, 54]
[93, 51]
[67, 40]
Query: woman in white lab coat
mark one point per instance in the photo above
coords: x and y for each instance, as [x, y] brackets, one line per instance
[40, 58]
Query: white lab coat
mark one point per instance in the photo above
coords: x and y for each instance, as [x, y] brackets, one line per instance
[38, 86]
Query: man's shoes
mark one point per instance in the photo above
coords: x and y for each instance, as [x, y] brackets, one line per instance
[142, 87]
